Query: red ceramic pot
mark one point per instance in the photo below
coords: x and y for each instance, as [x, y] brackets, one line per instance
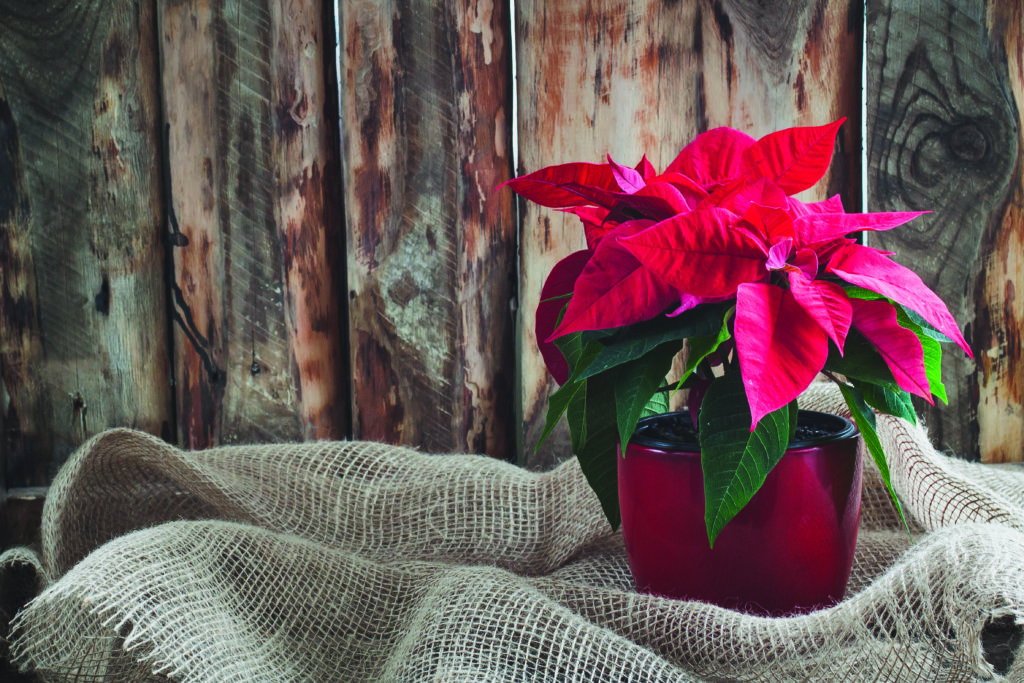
[788, 551]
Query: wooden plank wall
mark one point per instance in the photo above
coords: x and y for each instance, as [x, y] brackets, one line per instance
[945, 120]
[83, 337]
[209, 232]
[253, 227]
[426, 109]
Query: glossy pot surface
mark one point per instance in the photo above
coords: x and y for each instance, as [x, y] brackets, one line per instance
[790, 550]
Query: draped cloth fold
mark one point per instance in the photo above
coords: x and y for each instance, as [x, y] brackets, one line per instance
[351, 561]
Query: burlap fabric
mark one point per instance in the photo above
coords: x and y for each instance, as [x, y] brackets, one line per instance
[360, 561]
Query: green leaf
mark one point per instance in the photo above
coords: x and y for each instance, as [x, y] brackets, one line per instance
[558, 402]
[576, 416]
[932, 351]
[576, 408]
[865, 419]
[702, 347]
[933, 368]
[597, 446]
[855, 292]
[735, 460]
[572, 346]
[860, 360]
[589, 408]
[597, 335]
[886, 400]
[638, 340]
[578, 357]
[924, 325]
[636, 382]
[657, 405]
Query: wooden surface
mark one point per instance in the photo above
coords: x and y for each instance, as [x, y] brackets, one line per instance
[308, 215]
[999, 371]
[252, 223]
[80, 217]
[431, 246]
[208, 234]
[597, 79]
[944, 134]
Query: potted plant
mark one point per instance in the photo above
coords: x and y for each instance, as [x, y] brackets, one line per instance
[763, 291]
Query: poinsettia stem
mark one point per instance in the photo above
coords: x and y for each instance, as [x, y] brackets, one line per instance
[704, 371]
[832, 377]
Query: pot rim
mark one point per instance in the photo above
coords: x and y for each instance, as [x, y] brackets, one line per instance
[844, 429]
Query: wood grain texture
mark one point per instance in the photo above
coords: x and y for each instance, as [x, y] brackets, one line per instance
[252, 222]
[307, 180]
[83, 342]
[431, 246]
[26, 442]
[996, 337]
[646, 77]
[187, 71]
[943, 130]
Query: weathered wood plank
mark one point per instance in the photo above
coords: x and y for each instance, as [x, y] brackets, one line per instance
[646, 76]
[252, 222]
[431, 256]
[944, 128]
[192, 178]
[307, 164]
[1000, 311]
[17, 298]
[21, 348]
[83, 342]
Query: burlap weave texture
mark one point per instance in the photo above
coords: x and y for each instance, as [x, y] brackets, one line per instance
[352, 561]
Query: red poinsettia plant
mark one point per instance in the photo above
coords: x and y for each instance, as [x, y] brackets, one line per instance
[763, 291]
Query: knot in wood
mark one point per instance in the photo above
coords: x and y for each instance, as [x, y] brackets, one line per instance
[968, 142]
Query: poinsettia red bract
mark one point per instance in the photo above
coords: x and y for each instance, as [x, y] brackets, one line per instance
[720, 223]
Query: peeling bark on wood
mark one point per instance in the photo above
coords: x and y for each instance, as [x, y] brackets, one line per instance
[944, 135]
[598, 78]
[431, 257]
[252, 223]
[83, 340]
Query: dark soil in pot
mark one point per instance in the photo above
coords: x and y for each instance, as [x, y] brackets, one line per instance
[675, 431]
